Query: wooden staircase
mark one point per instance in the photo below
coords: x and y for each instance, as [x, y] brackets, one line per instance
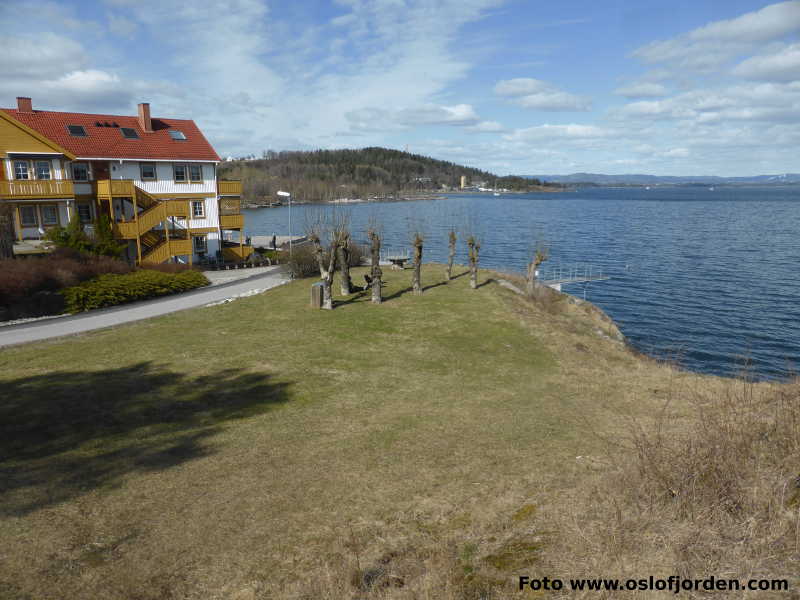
[149, 213]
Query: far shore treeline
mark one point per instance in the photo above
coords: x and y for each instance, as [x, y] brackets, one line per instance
[321, 175]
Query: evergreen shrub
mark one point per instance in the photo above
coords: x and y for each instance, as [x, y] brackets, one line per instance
[110, 290]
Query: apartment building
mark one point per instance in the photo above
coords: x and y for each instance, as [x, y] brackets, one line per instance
[155, 179]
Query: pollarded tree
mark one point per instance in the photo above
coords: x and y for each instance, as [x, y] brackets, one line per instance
[540, 254]
[374, 235]
[417, 241]
[344, 261]
[473, 250]
[452, 238]
[334, 230]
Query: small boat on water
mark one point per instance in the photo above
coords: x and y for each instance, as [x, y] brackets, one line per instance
[496, 194]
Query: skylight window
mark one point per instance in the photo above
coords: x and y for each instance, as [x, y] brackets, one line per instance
[76, 130]
[129, 133]
[176, 135]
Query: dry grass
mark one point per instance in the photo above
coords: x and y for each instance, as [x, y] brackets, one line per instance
[423, 448]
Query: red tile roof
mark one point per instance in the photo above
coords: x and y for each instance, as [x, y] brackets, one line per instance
[108, 142]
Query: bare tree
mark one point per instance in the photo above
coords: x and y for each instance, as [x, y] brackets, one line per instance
[540, 254]
[331, 229]
[344, 261]
[6, 231]
[374, 235]
[452, 244]
[473, 249]
[417, 240]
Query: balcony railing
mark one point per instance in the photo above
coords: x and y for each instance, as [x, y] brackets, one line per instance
[229, 188]
[54, 188]
[231, 221]
[109, 188]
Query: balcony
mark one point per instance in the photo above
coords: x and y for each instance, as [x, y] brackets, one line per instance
[110, 188]
[229, 188]
[34, 189]
[231, 221]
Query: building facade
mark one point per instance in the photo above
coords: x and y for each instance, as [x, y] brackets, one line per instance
[154, 178]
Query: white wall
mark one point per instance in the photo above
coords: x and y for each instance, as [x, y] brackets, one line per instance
[165, 183]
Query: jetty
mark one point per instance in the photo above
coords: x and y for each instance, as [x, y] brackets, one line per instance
[561, 275]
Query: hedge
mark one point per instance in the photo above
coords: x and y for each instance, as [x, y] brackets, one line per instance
[110, 290]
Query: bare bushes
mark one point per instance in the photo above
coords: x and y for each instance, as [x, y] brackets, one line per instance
[717, 493]
[28, 286]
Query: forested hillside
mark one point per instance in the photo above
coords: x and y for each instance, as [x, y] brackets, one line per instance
[327, 174]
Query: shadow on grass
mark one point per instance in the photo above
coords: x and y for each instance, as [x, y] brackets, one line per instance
[65, 433]
[487, 281]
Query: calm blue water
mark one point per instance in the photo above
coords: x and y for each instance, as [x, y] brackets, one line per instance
[707, 277]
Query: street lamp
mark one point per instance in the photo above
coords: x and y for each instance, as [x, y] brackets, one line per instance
[289, 196]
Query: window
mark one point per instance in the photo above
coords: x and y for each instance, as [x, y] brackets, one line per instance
[200, 244]
[129, 133]
[50, 214]
[148, 171]
[180, 173]
[84, 213]
[27, 215]
[80, 172]
[176, 135]
[198, 209]
[42, 169]
[21, 169]
[196, 172]
[76, 130]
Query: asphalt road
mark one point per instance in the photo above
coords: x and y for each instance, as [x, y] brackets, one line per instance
[109, 317]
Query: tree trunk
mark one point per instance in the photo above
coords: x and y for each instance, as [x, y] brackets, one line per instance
[416, 283]
[6, 232]
[325, 272]
[474, 249]
[344, 267]
[375, 251]
[451, 256]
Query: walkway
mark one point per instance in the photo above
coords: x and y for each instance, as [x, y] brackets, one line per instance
[108, 317]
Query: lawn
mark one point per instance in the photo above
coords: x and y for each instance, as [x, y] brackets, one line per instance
[263, 449]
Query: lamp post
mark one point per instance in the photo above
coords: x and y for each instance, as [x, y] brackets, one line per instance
[289, 196]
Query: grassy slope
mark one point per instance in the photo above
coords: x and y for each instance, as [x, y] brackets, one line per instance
[235, 450]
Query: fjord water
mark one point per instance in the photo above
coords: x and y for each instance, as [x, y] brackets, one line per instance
[710, 278]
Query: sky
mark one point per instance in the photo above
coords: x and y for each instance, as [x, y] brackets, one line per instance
[667, 87]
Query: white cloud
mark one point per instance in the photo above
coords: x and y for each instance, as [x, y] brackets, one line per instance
[486, 127]
[707, 48]
[645, 89]
[40, 56]
[534, 93]
[783, 65]
[573, 131]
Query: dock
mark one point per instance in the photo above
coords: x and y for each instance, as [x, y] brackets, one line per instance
[556, 277]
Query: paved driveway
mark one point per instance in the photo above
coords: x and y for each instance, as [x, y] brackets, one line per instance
[108, 317]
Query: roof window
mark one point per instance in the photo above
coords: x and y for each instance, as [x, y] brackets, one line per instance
[129, 133]
[76, 130]
[176, 135]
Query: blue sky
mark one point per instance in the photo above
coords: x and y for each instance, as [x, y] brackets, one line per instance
[664, 87]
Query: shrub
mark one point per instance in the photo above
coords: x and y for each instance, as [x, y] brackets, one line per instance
[303, 262]
[110, 290]
[73, 237]
[22, 278]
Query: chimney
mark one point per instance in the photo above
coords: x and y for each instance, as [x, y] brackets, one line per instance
[144, 117]
[24, 105]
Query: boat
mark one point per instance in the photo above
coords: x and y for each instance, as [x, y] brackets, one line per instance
[496, 194]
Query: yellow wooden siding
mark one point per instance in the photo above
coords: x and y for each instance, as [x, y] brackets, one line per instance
[235, 253]
[231, 221]
[16, 137]
[229, 188]
[37, 188]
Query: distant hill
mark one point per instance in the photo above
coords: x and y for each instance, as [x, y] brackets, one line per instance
[639, 179]
[327, 174]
